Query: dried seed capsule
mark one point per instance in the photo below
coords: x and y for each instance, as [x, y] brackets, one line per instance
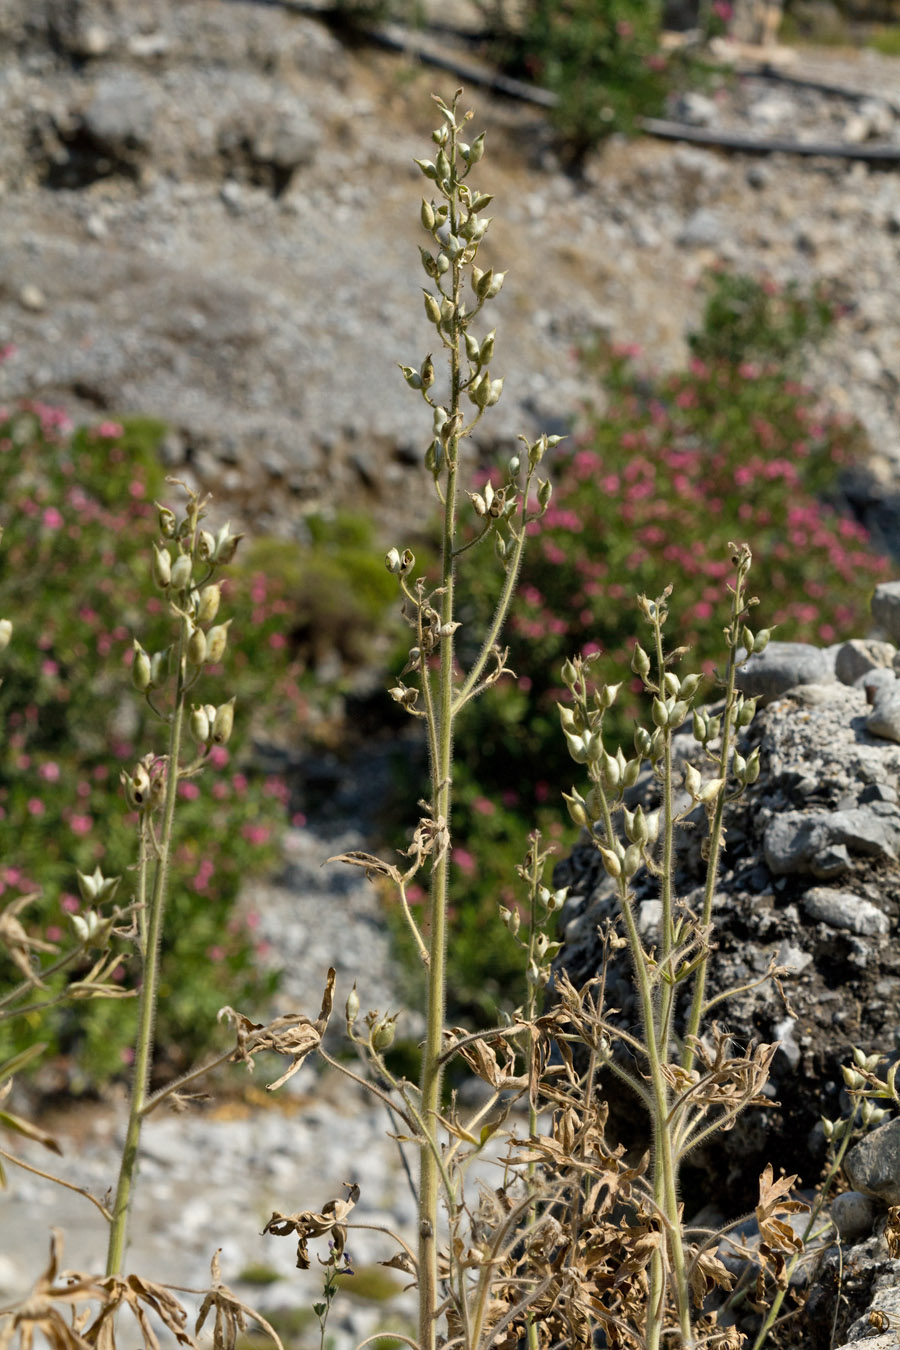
[197, 647]
[216, 642]
[208, 604]
[180, 577]
[223, 723]
[161, 566]
[199, 725]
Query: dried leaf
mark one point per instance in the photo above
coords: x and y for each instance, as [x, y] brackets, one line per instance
[293, 1035]
[309, 1224]
[374, 867]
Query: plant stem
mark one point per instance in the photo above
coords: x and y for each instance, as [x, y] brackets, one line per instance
[441, 778]
[150, 984]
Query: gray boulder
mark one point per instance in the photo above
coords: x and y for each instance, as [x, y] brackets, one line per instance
[886, 608]
[783, 665]
[873, 1165]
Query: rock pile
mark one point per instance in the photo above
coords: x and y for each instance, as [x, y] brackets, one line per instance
[812, 879]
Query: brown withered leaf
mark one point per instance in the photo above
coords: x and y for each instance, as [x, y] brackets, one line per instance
[231, 1313]
[43, 1310]
[892, 1231]
[308, 1224]
[18, 942]
[706, 1272]
[293, 1034]
[139, 1296]
[374, 867]
[774, 1232]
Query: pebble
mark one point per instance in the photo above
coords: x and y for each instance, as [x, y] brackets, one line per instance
[843, 909]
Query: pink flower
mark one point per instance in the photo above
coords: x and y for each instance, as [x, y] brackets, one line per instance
[52, 519]
[464, 861]
[81, 824]
[483, 806]
[189, 791]
[70, 903]
[49, 668]
[35, 807]
[110, 431]
[49, 772]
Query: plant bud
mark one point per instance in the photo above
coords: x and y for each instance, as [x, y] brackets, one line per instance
[500, 547]
[494, 288]
[608, 695]
[426, 215]
[640, 661]
[427, 168]
[487, 348]
[161, 566]
[208, 604]
[180, 577]
[216, 642]
[473, 351]
[827, 1127]
[761, 640]
[569, 674]
[223, 723]
[747, 640]
[198, 725]
[710, 791]
[197, 646]
[545, 492]
[671, 684]
[412, 377]
[853, 1078]
[140, 669]
[659, 713]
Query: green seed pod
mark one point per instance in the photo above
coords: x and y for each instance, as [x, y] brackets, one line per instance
[701, 727]
[216, 642]
[223, 723]
[610, 861]
[677, 713]
[208, 604]
[576, 806]
[569, 674]
[640, 661]
[751, 773]
[692, 780]
[180, 577]
[747, 640]
[382, 1034]
[659, 713]
[426, 215]
[545, 492]
[412, 377]
[197, 647]
[642, 742]
[671, 684]
[432, 308]
[226, 544]
[140, 669]
[631, 772]
[427, 168]
[746, 711]
[610, 773]
[161, 566]
[476, 150]
[761, 641]
[633, 861]
[690, 684]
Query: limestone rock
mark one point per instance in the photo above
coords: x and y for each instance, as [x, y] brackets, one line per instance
[785, 664]
[873, 1165]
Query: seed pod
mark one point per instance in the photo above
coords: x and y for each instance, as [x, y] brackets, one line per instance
[226, 544]
[166, 521]
[216, 642]
[140, 669]
[197, 647]
[198, 725]
[382, 1034]
[659, 713]
[6, 630]
[161, 566]
[610, 861]
[640, 661]
[206, 546]
[351, 1009]
[692, 780]
[426, 215]
[180, 577]
[223, 723]
[576, 806]
[208, 604]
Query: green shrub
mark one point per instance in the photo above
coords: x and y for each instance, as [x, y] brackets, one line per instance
[78, 514]
[746, 319]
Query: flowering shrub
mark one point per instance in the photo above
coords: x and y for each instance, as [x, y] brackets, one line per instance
[77, 509]
[650, 490]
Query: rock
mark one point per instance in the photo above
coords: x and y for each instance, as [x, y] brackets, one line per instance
[31, 297]
[783, 665]
[703, 229]
[817, 841]
[120, 117]
[853, 1215]
[697, 110]
[858, 657]
[873, 1165]
[289, 142]
[884, 719]
[843, 909]
[886, 608]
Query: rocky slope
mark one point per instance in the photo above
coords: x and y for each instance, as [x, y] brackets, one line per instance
[208, 212]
